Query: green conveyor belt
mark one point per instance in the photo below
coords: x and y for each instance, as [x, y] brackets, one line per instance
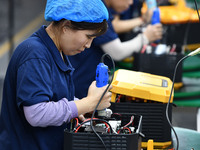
[192, 74]
[188, 102]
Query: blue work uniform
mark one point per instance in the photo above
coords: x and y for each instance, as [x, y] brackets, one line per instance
[85, 63]
[36, 73]
[133, 11]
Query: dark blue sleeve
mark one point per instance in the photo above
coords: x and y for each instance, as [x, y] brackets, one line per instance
[106, 37]
[34, 82]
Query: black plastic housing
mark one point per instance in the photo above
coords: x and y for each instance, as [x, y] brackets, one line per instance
[163, 65]
[89, 141]
[154, 123]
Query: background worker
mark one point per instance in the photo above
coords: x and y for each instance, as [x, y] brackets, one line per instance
[126, 21]
[85, 63]
[38, 95]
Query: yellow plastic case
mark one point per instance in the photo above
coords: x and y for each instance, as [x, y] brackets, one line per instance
[176, 13]
[180, 22]
[141, 85]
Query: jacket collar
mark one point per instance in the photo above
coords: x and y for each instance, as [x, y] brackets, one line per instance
[63, 65]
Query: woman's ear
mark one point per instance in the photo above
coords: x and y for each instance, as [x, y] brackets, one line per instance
[66, 25]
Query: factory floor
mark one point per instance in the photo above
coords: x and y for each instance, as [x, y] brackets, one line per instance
[185, 117]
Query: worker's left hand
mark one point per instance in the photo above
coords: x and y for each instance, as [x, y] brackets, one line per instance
[154, 32]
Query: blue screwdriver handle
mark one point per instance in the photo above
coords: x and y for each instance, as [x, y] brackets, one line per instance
[102, 76]
[156, 18]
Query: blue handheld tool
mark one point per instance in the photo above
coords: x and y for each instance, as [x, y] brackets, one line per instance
[102, 76]
[156, 16]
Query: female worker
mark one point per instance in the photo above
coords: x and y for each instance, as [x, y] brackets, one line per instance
[85, 63]
[38, 95]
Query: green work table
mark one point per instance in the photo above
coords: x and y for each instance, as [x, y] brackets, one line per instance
[188, 139]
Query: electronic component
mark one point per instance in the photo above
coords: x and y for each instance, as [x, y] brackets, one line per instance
[120, 131]
[105, 113]
[116, 123]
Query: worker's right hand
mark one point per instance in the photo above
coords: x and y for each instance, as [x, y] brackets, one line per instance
[154, 32]
[95, 93]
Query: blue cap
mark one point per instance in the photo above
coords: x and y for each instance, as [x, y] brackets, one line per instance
[76, 10]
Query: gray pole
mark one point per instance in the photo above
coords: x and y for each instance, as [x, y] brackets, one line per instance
[11, 26]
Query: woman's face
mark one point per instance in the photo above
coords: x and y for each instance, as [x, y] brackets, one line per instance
[73, 42]
[120, 5]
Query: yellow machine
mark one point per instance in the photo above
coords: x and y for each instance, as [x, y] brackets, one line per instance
[141, 85]
[177, 12]
[147, 95]
[179, 15]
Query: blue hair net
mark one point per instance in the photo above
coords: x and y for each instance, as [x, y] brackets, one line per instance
[76, 10]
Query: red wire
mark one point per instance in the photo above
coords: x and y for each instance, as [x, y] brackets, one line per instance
[77, 129]
[143, 49]
[129, 122]
[107, 126]
[81, 125]
[118, 98]
[76, 121]
[90, 119]
[117, 114]
[124, 128]
[173, 49]
[154, 44]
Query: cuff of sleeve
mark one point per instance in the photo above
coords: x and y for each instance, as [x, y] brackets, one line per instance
[74, 109]
[75, 98]
[145, 40]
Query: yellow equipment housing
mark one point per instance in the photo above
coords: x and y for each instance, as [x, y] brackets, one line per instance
[141, 85]
[154, 91]
[176, 13]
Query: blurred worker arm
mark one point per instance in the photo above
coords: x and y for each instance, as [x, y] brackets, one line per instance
[120, 50]
[122, 26]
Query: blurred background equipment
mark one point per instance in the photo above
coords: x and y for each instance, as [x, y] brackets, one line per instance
[19, 18]
[181, 30]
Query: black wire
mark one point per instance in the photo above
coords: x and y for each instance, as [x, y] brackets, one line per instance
[197, 9]
[102, 59]
[167, 107]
